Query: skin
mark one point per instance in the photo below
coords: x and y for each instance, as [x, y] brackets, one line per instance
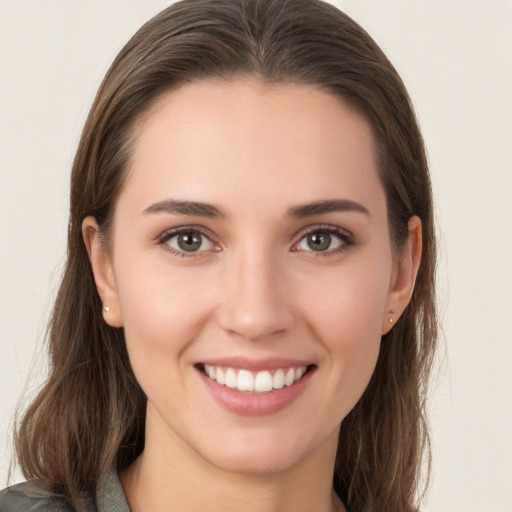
[254, 289]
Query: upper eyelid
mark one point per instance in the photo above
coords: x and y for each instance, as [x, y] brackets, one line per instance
[325, 227]
[171, 232]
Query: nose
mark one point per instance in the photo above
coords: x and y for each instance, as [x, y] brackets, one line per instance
[256, 302]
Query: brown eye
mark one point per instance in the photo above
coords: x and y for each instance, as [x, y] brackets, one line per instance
[319, 241]
[189, 241]
[325, 240]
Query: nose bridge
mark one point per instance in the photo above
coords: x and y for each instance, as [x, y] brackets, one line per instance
[254, 301]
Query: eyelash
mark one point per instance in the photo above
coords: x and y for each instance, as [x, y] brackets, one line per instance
[347, 240]
[345, 236]
[167, 235]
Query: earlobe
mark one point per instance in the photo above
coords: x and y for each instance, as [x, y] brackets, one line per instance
[404, 278]
[101, 265]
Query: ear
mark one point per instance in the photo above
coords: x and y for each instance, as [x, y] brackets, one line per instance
[404, 277]
[103, 272]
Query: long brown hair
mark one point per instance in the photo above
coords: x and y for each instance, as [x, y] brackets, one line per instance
[90, 414]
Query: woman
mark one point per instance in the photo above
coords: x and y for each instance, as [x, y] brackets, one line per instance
[248, 302]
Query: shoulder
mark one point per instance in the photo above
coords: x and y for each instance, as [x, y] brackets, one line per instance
[32, 496]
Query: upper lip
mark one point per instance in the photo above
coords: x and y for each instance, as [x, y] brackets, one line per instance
[267, 363]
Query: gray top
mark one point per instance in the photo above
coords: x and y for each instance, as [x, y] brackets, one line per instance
[32, 497]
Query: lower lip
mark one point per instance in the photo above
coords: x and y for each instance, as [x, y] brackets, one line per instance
[255, 404]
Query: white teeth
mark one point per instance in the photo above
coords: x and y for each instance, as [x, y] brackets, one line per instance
[259, 382]
[210, 370]
[219, 376]
[231, 380]
[245, 381]
[263, 382]
[289, 378]
[278, 380]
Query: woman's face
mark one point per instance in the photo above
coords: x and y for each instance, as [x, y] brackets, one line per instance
[250, 243]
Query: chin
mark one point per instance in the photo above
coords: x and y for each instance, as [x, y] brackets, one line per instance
[261, 453]
[254, 462]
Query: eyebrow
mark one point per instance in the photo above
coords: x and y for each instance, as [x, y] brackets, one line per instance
[180, 207]
[177, 207]
[328, 206]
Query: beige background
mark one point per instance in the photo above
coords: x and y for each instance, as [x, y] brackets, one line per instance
[455, 57]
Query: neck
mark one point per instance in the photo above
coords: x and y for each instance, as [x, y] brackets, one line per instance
[172, 476]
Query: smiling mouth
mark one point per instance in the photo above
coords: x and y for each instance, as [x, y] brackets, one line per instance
[259, 382]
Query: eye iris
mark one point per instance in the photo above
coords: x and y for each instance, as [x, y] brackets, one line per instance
[189, 242]
[319, 241]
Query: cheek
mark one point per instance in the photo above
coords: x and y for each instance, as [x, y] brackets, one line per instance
[162, 311]
[345, 312]
[348, 302]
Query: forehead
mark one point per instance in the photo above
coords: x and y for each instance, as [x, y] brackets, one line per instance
[285, 143]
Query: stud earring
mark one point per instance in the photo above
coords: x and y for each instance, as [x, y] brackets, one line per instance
[391, 311]
[106, 309]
